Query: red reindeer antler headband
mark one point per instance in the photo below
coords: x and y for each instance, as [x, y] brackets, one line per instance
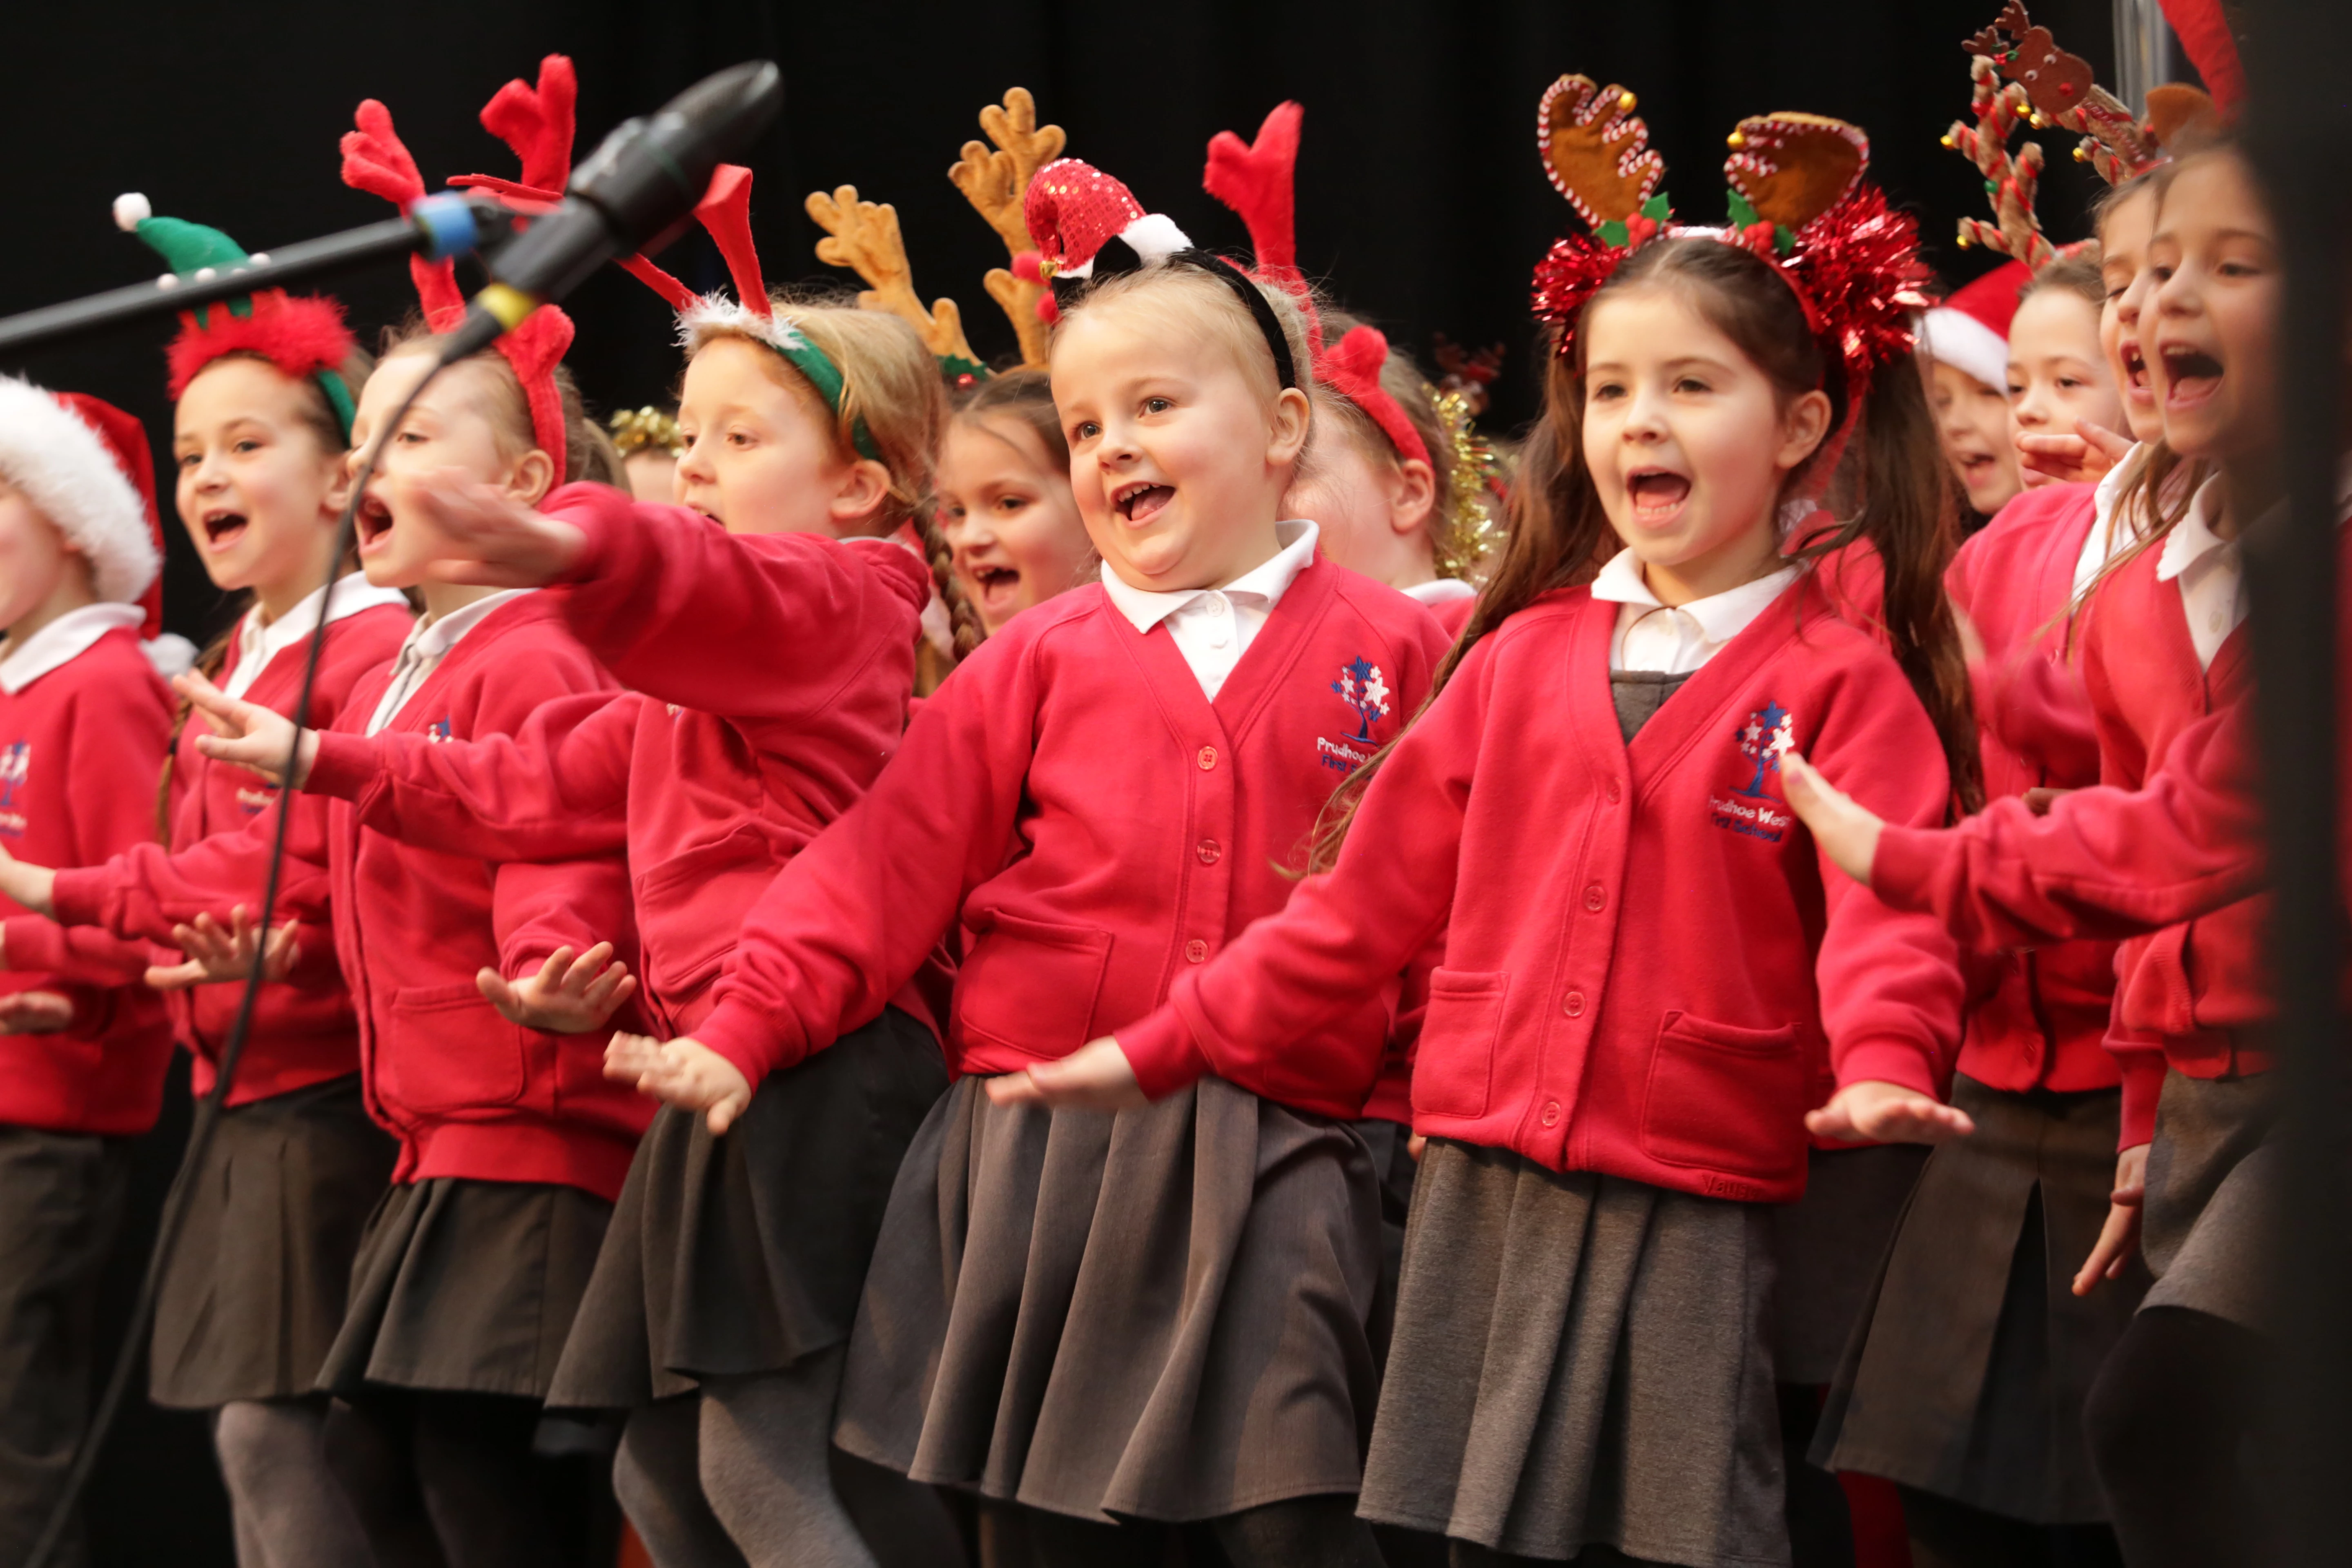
[1258, 181]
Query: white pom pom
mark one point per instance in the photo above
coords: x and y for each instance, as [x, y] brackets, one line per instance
[131, 210]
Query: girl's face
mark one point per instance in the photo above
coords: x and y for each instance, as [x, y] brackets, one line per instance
[257, 493]
[2123, 269]
[36, 562]
[452, 425]
[1686, 443]
[1009, 518]
[1973, 420]
[1177, 463]
[2057, 372]
[760, 451]
[1372, 511]
[2209, 330]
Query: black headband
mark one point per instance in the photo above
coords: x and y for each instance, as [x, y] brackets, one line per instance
[1069, 290]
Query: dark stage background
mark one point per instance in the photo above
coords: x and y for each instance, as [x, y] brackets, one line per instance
[1420, 197]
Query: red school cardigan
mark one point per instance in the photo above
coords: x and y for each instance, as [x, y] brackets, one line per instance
[2040, 1019]
[303, 1029]
[769, 680]
[1646, 953]
[467, 1093]
[1096, 826]
[80, 748]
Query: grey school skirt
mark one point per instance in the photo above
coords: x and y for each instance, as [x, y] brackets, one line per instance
[1581, 1360]
[465, 1285]
[1827, 1246]
[2212, 1179]
[256, 1289]
[1969, 1377]
[1154, 1315]
[741, 1254]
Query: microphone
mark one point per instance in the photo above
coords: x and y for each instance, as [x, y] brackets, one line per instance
[640, 183]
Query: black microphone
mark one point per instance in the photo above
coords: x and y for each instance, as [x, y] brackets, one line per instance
[644, 179]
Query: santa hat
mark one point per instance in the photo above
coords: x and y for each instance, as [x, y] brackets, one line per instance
[304, 338]
[1970, 332]
[85, 466]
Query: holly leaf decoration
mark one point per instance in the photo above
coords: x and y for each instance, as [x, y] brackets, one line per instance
[1614, 232]
[1742, 210]
[1657, 209]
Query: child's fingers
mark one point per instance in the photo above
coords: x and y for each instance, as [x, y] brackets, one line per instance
[723, 1115]
[499, 993]
[630, 1056]
[176, 976]
[1014, 1088]
[2111, 1252]
[1847, 833]
[558, 965]
[604, 993]
[2111, 444]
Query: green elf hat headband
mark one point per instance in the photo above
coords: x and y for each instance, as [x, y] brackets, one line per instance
[726, 212]
[302, 337]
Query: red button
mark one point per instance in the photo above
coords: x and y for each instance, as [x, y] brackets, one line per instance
[1209, 852]
[1573, 1005]
[1196, 949]
[1551, 1113]
[1613, 792]
[1595, 897]
[1208, 758]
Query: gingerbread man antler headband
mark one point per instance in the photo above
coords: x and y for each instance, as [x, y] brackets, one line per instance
[1798, 202]
[2048, 86]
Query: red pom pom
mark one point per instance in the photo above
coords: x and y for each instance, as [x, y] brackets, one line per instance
[1025, 266]
[300, 336]
[1049, 310]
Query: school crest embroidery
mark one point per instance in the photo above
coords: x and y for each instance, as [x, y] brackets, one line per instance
[1365, 690]
[15, 768]
[1760, 741]
[438, 729]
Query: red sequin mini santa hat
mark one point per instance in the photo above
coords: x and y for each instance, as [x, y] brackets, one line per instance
[375, 161]
[85, 465]
[1970, 332]
[1258, 181]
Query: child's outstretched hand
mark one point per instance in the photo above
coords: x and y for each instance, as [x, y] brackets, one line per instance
[569, 996]
[2119, 1237]
[1094, 1077]
[1847, 832]
[215, 953]
[2083, 458]
[683, 1072]
[1874, 1112]
[35, 1013]
[32, 886]
[253, 737]
[493, 540]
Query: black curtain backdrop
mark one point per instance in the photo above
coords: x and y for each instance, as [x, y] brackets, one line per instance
[1421, 197]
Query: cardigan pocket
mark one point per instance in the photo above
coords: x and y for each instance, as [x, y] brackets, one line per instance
[1727, 1099]
[690, 912]
[450, 1050]
[1453, 1069]
[1032, 984]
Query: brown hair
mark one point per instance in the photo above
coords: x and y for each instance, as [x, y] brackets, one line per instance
[2076, 273]
[1403, 381]
[1559, 534]
[1023, 394]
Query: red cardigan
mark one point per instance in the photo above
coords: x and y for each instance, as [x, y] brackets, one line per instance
[467, 1093]
[2040, 1017]
[769, 678]
[303, 1029]
[1646, 953]
[80, 748]
[1097, 826]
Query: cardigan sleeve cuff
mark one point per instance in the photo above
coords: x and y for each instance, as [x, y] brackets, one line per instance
[33, 943]
[1904, 867]
[747, 1039]
[1162, 1053]
[1902, 1062]
[2143, 1087]
[78, 895]
[345, 764]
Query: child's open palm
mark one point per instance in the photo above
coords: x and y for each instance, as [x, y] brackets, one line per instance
[493, 540]
[246, 733]
[1874, 1112]
[217, 954]
[683, 1072]
[35, 1013]
[569, 996]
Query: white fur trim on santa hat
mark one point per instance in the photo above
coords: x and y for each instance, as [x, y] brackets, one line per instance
[1154, 237]
[1958, 339]
[715, 315]
[62, 466]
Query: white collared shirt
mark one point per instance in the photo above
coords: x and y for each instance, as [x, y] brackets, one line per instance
[1440, 591]
[62, 641]
[2210, 571]
[258, 644]
[428, 643]
[2108, 532]
[1674, 641]
[1212, 627]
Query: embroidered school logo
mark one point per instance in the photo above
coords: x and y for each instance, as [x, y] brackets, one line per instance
[1762, 741]
[256, 798]
[438, 729]
[16, 768]
[1364, 689]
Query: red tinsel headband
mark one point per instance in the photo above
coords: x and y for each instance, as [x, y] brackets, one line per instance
[1798, 202]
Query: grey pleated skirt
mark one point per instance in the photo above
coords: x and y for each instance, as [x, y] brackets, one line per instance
[1581, 1360]
[1155, 1315]
[467, 1287]
[1827, 1246]
[741, 1254]
[2212, 1179]
[255, 1291]
[1968, 1378]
